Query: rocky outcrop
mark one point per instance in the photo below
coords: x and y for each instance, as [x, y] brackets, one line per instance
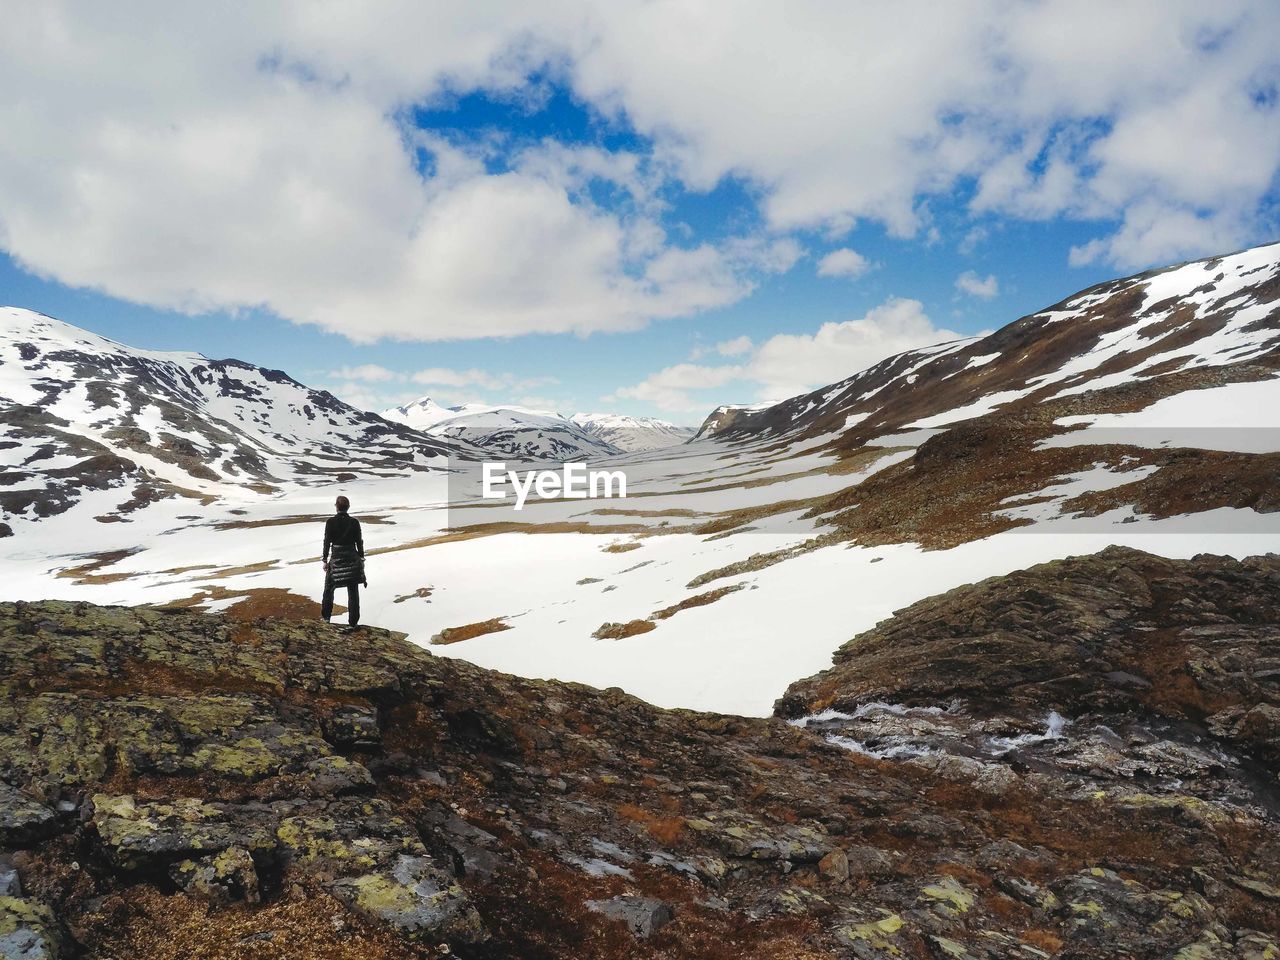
[179, 784]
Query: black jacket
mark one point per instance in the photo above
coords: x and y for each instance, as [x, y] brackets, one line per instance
[343, 539]
[342, 529]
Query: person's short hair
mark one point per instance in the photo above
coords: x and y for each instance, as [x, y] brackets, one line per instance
[343, 504]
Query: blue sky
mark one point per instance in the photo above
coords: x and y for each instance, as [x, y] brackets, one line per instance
[589, 210]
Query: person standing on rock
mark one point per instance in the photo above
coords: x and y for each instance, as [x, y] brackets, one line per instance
[343, 561]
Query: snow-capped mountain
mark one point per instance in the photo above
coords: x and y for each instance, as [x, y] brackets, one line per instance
[633, 434]
[82, 413]
[421, 414]
[1152, 397]
[1108, 348]
[509, 431]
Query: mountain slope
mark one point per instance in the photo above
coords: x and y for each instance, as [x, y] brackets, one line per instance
[1162, 332]
[82, 413]
[633, 434]
[525, 435]
[1154, 396]
[510, 432]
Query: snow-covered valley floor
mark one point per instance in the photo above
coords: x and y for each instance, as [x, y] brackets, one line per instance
[570, 567]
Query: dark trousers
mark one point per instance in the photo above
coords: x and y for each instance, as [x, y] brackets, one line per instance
[353, 602]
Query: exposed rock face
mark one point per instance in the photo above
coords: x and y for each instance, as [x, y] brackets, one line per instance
[1138, 683]
[188, 785]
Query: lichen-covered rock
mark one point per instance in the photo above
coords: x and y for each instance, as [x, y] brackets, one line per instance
[51, 738]
[225, 877]
[137, 835]
[874, 939]
[1252, 945]
[28, 931]
[345, 836]
[835, 865]
[1107, 912]
[64, 741]
[948, 897]
[741, 836]
[865, 862]
[22, 820]
[330, 776]
[414, 896]
[379, 802]
[353, 728]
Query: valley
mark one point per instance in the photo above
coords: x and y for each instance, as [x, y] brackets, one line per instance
[1140, 413]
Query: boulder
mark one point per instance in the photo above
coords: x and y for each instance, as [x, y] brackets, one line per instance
[28, 931]
[835, 865]
[152, 835]
[223, 878]
[23, 821]
[415, 897]
[644, 916]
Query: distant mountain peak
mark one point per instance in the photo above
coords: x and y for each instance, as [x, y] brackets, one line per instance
[491, 426]
[633, 434]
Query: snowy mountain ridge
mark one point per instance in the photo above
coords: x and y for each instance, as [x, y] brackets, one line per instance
[1162, 329]
[633, 434]
[522, 434]
[530, 434]
[85, 416]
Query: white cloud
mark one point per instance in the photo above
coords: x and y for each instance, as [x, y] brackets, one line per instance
[368, 373]
[789, 364]
[1172, 102]
[271, 165]
[669, 389]
[735, 347]
[1156, 233]
[364, 398]
[985, 287]
[448, 377]
[375, 387]
[843, 263]
[973, 239]
[267, 166]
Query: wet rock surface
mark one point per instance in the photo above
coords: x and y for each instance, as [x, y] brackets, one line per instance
[1121, 672]
[1074, 761]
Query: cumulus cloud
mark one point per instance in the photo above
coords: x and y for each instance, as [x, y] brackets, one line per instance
[375, 387]
[735, 347]
[789, 364]
[274, 164]
[1173, 103]
[671, 389]
[270, 165]
[367, 372]
[843, 263]
[449, 377]
[975, 286]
